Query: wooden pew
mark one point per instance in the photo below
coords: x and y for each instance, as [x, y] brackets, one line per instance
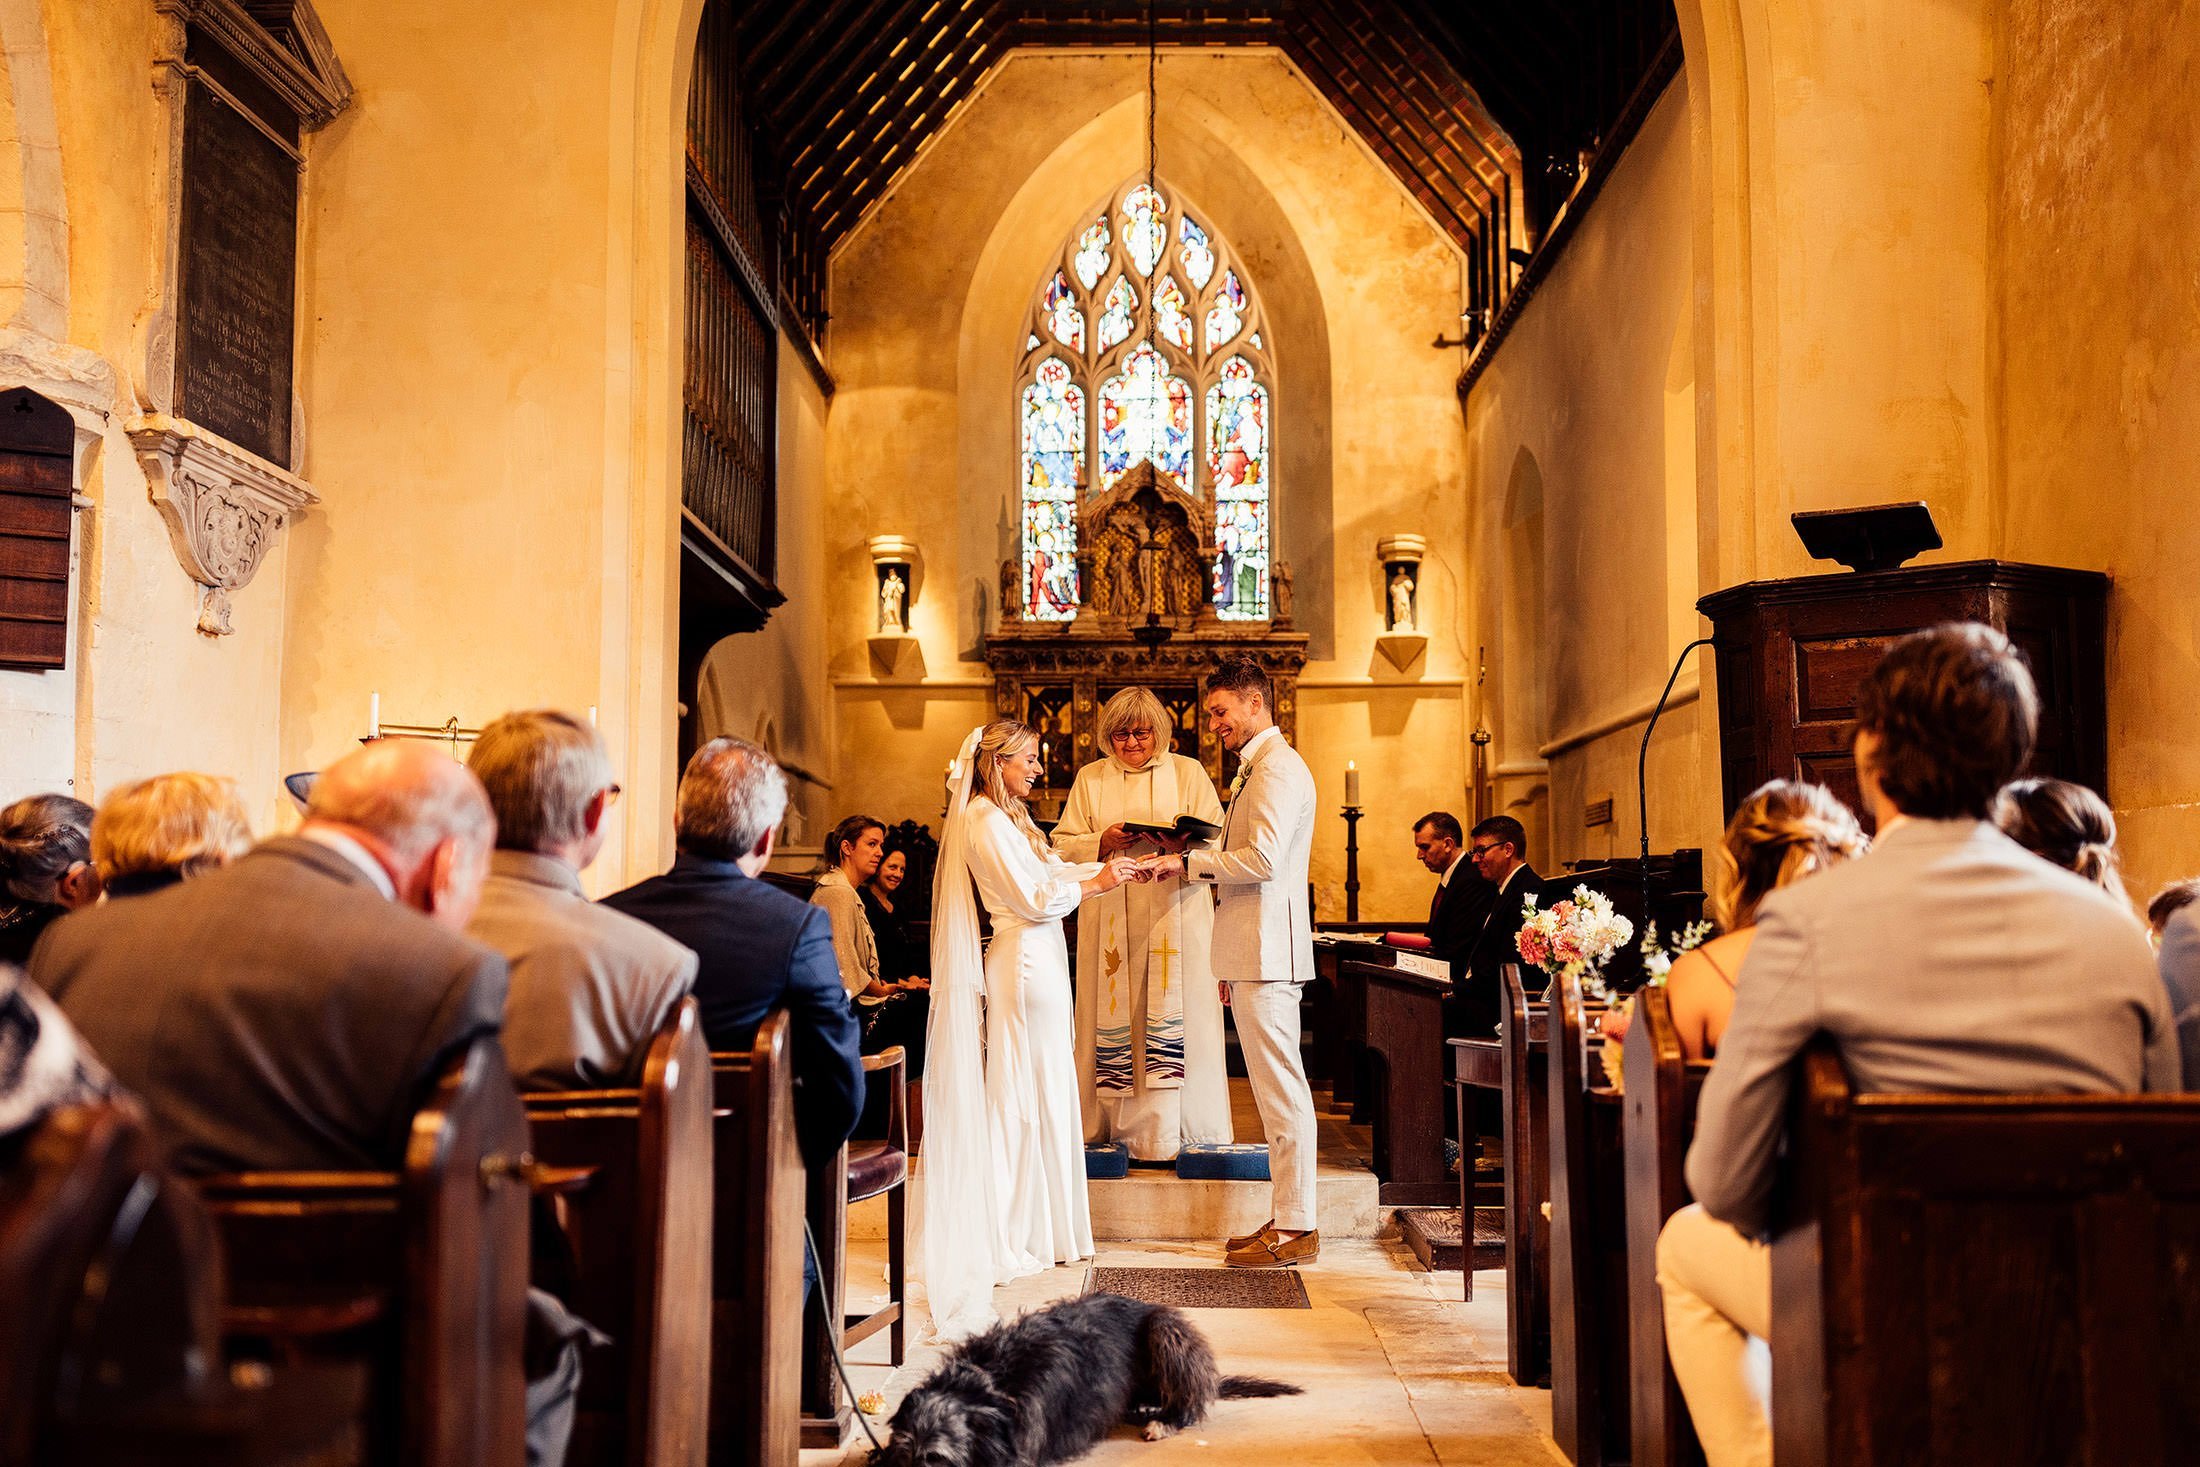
[1589, 1324]
[1523, 1051]
[422, 1273]
[110, 1338]
[1406, 1057]
[1662, 1087]
[756, 1264]
[1986, 1278]
[639, 1234]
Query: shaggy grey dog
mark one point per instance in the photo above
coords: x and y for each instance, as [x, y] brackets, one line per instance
[1047, 1387]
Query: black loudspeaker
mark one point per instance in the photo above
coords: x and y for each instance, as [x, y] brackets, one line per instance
[1875, 538]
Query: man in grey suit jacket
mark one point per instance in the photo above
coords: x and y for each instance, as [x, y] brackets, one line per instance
[591, 987]
[288, 1011]
[1264, 947]
[1947, 959]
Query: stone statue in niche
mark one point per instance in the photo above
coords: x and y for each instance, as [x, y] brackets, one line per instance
[1401, 601]
[1279, 604]
[1012, 601]
[893, 603]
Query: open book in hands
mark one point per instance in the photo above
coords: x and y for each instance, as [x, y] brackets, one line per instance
[1187, 828]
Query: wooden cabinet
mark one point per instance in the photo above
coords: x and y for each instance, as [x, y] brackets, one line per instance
[1791, 654]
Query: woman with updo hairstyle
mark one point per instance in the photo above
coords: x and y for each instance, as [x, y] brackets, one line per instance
[158, 831]
[1782, 833]
[2066, 825]
[45, 869]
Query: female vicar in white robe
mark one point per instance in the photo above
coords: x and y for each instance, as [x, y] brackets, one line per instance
[1149, 1016]
[1003, 1139]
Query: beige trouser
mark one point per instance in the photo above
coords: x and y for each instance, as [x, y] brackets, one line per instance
[1718, 1296]
[1267, 1018]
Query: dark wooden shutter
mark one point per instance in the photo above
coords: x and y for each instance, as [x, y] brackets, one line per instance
[37, 443]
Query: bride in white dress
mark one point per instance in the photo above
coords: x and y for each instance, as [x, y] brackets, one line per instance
[1004, 1155]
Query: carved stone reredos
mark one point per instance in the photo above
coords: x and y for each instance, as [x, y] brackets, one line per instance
[1112, 531]
[223, 507]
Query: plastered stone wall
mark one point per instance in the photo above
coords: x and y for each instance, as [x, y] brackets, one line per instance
[2098, 218]
[1582, 438]
[929, 301]
[145, 690]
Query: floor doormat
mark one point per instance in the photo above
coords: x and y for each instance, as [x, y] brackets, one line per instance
[1203, 1288]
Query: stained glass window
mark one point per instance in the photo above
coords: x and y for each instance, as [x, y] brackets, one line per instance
[1227, 313]
[1144, 230]
[1144, 337]
[1237, 462]
[1170, 315]
[1053, 461]
[1092, 253]
[1194, 254]
[1145, 413]
[1115, 321]
[1063, 318]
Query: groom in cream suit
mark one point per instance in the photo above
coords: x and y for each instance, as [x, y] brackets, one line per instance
[1264, 945]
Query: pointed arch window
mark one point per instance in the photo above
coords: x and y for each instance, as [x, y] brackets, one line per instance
[1144, 343]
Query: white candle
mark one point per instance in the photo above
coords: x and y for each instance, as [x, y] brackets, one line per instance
[374, 715]
[1352, 781]
[591, 715]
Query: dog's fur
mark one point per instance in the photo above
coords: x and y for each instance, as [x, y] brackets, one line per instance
[1049, 1386]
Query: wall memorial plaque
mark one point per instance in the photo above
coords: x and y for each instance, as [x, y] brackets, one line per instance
[236, 318]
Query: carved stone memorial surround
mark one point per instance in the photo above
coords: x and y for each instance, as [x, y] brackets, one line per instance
[226, 502]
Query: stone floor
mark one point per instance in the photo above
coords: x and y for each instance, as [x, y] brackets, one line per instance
[1397, 1368]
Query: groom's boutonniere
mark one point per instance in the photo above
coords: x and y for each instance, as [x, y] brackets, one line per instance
[1237, 782]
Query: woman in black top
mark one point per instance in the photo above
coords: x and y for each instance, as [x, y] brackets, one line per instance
[900, 954]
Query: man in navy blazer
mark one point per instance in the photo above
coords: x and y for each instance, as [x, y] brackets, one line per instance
[761, 949]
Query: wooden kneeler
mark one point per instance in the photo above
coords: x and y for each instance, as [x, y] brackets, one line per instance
[639, 1232]
[421, 1274]
[756, 1267]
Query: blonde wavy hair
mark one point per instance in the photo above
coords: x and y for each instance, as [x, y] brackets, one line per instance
[183, 822]
[1782, 833]
[1137, 708]
[1002, 740]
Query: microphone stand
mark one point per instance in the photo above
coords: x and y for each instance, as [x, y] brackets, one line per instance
[1642, 768]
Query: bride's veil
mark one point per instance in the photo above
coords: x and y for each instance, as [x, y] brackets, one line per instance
[960, 1230]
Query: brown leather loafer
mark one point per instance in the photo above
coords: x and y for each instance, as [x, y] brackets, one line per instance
[1266, 1232]
[1277, 1252]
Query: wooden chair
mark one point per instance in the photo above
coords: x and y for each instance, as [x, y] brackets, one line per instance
[1662, 1087]
[1986, 1278]
[756, 1264]
[639, 1234]
[110, 1341]
[422, 1273]
[868, 1168]
[1589, 1326]
[1527, 1185]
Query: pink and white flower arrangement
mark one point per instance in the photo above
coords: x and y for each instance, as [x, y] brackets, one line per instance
[1575, 935]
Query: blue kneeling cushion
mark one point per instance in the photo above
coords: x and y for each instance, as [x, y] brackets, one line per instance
[1212, 1162]
[1107, 1162]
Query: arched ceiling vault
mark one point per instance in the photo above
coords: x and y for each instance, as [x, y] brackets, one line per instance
[1479, 107]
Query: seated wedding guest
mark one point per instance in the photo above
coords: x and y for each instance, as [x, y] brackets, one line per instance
[1946, 959]
[155, 832]
[760, 948]
[1498, 849]
[288, 1011]
[45, 868]
[2064, 823]
[43, 1066]
[2168, 902]
[901, 953]
[1781, 833]
[892, 1011]
[2178, 961]
[1456, 913]
[590, 986]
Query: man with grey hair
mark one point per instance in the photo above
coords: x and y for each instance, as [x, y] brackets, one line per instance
[591, 986]
[760, 948]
